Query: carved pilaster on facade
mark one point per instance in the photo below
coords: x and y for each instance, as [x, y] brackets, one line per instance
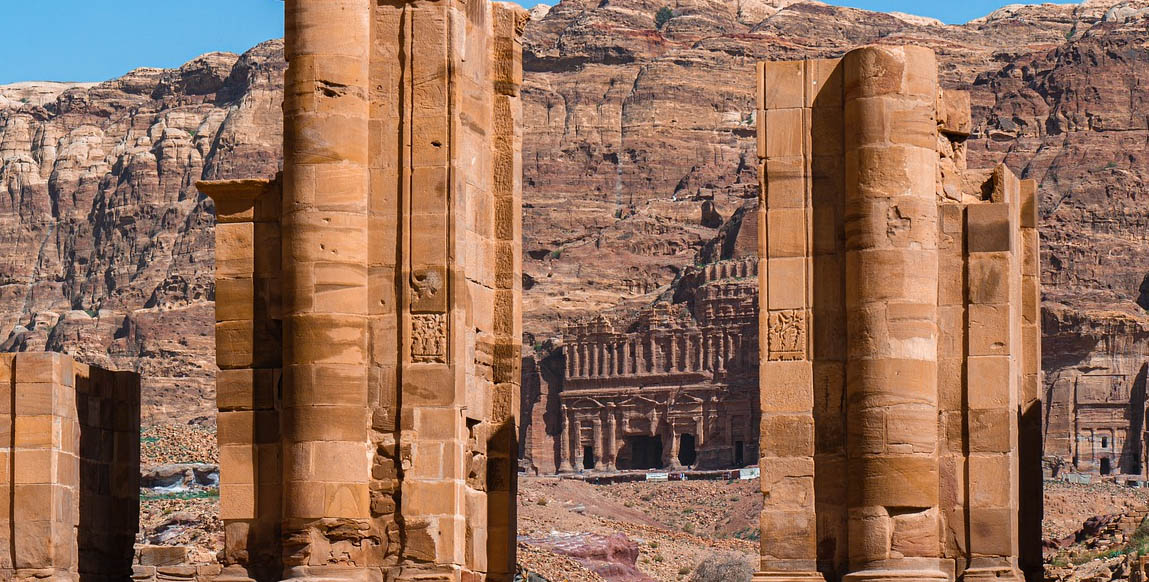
[786, 452]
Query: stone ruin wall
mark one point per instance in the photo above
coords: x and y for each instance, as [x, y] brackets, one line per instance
[900, 331]
[368, 303]
[69, 469]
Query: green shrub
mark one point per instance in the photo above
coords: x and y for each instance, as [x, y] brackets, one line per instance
[183, 495]
[664, 15]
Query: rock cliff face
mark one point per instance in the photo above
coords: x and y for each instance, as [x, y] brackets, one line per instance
[105, 245]
[638, 142]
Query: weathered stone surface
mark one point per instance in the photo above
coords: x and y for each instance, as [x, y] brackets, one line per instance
[935, 284]
[392, 432]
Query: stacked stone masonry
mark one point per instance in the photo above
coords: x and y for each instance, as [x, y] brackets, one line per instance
[900, 333]
[368, 303]
[69, 469]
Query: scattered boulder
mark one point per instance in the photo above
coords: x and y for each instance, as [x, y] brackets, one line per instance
[613, 557]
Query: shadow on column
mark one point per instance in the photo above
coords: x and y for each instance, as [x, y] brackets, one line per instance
[1031, 504]
[108, 410]
[1135, 414]
[502, 509]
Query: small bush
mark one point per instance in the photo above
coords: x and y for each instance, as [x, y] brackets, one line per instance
[664, 15]
[182, 495]
[723, 568]
[541, 501]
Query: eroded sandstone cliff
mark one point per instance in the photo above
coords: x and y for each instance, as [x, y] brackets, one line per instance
[105, 245]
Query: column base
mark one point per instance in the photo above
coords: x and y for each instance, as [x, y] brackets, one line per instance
[332, 574]
[783, 576]
[993, 574]
[884, 575]
[234, 574]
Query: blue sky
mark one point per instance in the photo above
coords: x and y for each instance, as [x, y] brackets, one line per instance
[82, 40]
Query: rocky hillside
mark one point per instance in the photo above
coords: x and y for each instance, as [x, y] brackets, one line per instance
[636, 136]
[105, 245]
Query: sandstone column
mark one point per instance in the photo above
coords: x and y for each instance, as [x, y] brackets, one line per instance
[610, 451]
[249, 355]
[786, 440]
[1030, 428]
[892, 301]
[994, 374]
[596, 442]
[565, 441]
[325, 249]
[576, 443]
[400, 225]
[569, 360]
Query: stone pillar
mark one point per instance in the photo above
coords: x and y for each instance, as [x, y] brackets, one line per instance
[993, 369]
[571, 360]
[1030, 427]
[786, 438]
[655, 363]
[249, 349]
[672, 460]
[911, 298]
[627, 355]
[400, 226]
[581, 353]
[325, 229]
[892, 296]
[610, 447]
[596, 442]
[612, 359]
[576, 443]
[720, 350]
[565, 451]
[699, 365]
[596, 359]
